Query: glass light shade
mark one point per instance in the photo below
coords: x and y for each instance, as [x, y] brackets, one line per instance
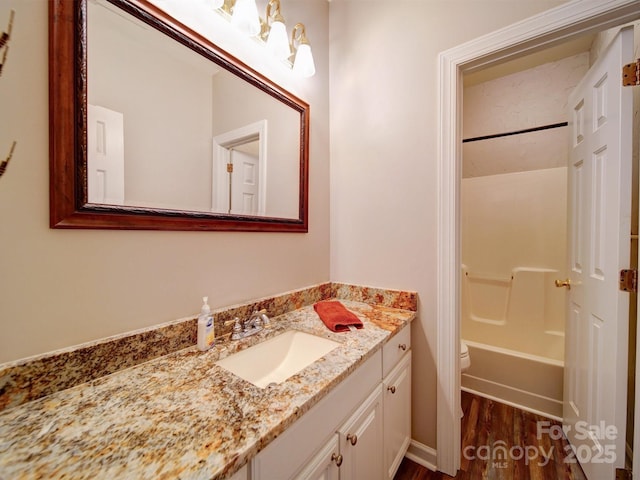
[303, 64]
[278, 41]
[245, 17]
[217, 4]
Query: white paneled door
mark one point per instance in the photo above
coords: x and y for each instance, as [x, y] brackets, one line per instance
[244, 183]
[105, 156]
[599, 199]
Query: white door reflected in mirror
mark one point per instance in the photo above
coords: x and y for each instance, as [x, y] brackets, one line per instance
[244, 180]
[105, 155]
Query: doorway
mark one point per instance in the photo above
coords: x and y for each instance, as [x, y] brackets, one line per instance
[514, 241]
[550, 28]
[514, 228]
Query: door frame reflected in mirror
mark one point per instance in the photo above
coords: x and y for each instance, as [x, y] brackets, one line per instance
[223, 145]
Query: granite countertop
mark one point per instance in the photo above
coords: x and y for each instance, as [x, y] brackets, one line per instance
[181, 416]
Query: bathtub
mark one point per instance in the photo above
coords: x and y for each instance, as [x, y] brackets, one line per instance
[525, 381]
[514, 328]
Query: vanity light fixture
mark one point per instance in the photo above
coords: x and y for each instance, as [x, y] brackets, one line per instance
[245, 17]
[275, 32]
[303, 63]
[272, 31]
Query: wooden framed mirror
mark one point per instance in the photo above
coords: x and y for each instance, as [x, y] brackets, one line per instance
[170, 171]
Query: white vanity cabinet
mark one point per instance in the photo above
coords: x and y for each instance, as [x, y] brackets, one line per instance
[360, 430]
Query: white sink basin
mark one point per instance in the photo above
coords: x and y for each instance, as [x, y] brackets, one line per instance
[278, 358]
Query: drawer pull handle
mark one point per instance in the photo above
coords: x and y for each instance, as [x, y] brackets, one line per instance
[353, 438]
[392, 389]
[337, 459]
[403, 347]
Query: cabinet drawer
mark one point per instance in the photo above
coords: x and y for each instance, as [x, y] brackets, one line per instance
[395, 349]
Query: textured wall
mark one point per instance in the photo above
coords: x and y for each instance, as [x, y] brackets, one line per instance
[527, 99]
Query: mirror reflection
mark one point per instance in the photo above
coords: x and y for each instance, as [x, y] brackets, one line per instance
[169, 129]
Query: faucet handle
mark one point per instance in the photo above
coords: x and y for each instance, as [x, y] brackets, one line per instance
[237, 329]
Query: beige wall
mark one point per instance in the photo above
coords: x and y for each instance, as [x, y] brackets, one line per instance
[62, 287]
[383, 151]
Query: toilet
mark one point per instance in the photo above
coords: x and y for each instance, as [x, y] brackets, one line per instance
[465, 360]
[465, 363]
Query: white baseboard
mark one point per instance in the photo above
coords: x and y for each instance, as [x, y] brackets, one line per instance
[422, 455]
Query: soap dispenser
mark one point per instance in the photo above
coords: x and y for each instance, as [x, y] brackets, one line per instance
[206, 332]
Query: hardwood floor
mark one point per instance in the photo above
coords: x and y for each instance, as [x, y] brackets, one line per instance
[502, 443]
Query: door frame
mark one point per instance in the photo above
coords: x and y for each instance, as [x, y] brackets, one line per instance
[541, 31]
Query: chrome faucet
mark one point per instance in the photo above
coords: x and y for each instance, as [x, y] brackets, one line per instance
[254, 324]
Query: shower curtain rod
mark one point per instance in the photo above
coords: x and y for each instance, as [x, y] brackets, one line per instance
[517, 132]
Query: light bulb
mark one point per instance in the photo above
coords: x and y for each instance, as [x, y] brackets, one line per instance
[303, 64]
[277, 41]
[245, 17]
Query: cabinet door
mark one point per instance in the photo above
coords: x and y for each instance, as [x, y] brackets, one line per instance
[325, 465]
[397, 415]
[361, 441]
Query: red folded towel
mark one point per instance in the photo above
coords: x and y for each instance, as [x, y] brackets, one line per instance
[336, 317]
